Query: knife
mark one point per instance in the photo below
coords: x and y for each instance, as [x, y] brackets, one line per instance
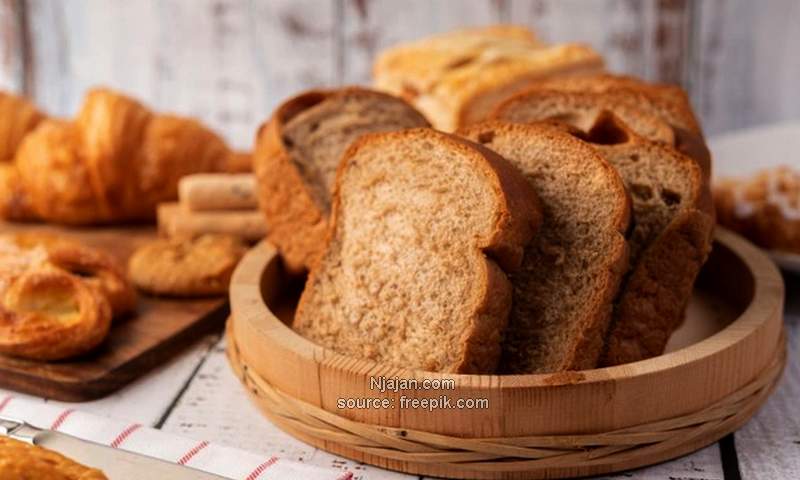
[116, 464]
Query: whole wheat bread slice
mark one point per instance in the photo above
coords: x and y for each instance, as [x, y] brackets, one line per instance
[424, 227]
[297, 154]
[660, 113]
[572, 270]
[670, 240]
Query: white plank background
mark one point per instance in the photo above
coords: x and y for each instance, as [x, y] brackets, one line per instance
[229, 62]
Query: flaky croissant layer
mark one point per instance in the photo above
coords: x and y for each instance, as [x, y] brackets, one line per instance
[113, 163]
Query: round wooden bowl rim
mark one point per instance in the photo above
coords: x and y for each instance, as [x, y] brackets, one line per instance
[766, 277]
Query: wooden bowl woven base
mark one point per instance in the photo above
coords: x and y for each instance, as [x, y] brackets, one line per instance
[558, 425]
[622, 449]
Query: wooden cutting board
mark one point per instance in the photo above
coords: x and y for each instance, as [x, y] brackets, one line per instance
[158, 329]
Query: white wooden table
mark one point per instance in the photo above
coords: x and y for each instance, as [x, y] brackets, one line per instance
[196, 395]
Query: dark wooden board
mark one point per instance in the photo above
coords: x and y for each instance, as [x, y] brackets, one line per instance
[159, 329]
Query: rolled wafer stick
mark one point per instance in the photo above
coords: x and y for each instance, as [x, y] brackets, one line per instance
[218, 191]
[176, 220]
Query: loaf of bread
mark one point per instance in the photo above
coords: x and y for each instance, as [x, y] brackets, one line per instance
[298, 152]
[571, 271]
[670, 241]
[424, 228]
[660, 113]
[459, 77]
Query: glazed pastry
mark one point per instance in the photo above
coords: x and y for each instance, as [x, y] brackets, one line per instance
[764, 208]
[457, 78]
[20, 461]
[57, 297]
[186, 267]
[113, 163]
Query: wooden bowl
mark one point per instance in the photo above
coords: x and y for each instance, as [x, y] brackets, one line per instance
[723, 364]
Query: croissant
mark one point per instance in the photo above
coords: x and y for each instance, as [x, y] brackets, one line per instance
[114, 163]
[18, 118]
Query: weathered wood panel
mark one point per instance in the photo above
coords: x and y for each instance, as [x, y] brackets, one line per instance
[216, 407]
[746, 64]
[645, 38]
[226, 62]
[769, 445]
[231, 61]
[147, 399]
[13, 42]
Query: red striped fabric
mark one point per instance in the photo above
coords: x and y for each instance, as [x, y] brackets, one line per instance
[260, 469]
[191, 453]
[125, 434]
[60, 418]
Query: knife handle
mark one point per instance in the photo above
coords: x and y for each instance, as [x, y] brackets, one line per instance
[18, 430]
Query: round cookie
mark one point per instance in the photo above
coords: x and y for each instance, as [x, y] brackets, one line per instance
[186, 267]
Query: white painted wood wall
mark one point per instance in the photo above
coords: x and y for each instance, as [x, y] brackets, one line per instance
[231, 61]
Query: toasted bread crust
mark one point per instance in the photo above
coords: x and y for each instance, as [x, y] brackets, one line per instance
[653, 302]
[514, 226]
[296, 222]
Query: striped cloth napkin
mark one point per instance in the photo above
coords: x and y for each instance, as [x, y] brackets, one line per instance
[133, 437]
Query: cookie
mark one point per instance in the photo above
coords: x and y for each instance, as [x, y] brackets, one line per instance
[186, 267]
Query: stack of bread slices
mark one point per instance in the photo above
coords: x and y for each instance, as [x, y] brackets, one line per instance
[562, 231]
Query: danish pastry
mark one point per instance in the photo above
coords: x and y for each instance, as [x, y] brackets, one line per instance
[20, 460]
[187, 267]
[765, 208]
[95, 268]
[57, 297]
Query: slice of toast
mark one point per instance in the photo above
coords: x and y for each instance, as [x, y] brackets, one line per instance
[660, 113]
[424, 227]
[670, 240]
[572, 270]
[297, 154]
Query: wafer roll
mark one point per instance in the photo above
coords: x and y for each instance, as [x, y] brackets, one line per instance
[176, 220]
[218, 191]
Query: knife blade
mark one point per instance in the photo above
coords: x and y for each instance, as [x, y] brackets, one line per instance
[114, 463]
